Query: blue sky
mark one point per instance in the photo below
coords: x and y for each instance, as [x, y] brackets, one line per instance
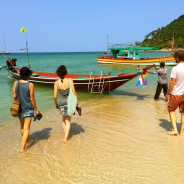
[82, 25]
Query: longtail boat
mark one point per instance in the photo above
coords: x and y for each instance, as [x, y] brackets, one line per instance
[98, 83]
[131, 55]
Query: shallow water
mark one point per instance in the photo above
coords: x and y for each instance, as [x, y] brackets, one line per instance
[121, 137]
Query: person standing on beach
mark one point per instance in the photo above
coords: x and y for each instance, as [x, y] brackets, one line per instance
[162, 82]
[63, 87]
[175, 93]
[24, 91]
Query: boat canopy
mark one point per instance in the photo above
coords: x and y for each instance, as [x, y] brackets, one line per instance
[133, 47]
[129, 52]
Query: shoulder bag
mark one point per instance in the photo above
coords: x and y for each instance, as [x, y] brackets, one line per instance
[71, 101]
[15, 106]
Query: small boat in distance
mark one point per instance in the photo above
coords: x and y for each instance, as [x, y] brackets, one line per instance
[92, 83]
[131, 55]
[4, 52]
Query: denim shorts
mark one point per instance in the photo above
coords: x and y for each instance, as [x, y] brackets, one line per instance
[26, 114]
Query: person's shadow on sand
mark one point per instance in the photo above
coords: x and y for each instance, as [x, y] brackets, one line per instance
[125, 93]
[167, 125]
[75, 129]
[38, 135]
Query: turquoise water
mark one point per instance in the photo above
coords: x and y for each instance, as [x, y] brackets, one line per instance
[107, 143]
[80, 63]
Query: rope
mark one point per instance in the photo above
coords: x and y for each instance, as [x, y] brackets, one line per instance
[4, 55]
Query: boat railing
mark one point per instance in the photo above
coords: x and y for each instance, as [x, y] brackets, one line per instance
[97, 85]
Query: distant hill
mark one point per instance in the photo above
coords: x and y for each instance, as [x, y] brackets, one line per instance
[162, 36]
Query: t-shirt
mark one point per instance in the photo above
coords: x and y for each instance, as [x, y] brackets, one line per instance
[162, 75]
[177, 73]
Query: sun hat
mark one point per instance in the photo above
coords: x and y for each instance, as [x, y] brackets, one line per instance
[25, 72]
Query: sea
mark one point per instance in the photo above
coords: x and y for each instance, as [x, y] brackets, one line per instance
[121, 136]
[76, 63]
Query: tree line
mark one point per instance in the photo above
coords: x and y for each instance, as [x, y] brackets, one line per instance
[165, 36]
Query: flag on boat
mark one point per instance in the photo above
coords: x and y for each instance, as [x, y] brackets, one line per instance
[142, 79]
[23, 29]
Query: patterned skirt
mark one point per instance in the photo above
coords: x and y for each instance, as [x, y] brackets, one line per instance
[63, 109]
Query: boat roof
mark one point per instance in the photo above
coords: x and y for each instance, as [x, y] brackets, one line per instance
[133, 48]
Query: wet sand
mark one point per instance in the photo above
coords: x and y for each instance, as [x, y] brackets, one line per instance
[121, 139]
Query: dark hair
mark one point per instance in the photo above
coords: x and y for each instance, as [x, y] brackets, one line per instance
[162, 64]
[179, 54]
[61, 71]
[25, 73]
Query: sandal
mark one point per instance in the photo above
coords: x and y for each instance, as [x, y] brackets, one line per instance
[172, 133]
[79, 110]
[38, 116]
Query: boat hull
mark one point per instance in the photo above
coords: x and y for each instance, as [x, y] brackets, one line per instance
[169, 61]
[83, 82]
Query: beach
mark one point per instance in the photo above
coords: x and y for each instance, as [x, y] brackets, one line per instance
[119, 140]
[121, 137]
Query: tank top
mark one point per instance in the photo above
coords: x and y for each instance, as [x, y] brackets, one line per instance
[63, 95]
[23, 95]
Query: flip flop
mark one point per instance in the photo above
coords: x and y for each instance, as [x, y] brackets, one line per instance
[79, 110]
[172, 133]
[38, 117]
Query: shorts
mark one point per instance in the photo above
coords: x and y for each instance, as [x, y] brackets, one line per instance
[176, 101]
[26, 114]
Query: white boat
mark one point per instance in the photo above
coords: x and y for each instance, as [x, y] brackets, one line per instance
[4, 51]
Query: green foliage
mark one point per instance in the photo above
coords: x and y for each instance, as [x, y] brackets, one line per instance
[162, 37]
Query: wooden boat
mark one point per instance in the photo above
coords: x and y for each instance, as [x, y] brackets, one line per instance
[91, 82]
[131, 55]
[85, 82]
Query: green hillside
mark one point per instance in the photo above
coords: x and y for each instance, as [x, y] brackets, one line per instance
[162, 36]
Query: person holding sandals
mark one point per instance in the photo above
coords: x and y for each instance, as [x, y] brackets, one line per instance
[63, 86]
[24, 91]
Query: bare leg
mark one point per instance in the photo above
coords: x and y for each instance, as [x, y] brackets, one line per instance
[173, 121]
[22, 127]
[67, 130]
[182, 124]
[64, 125]
[27, 124]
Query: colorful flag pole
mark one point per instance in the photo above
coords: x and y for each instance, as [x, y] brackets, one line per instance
[23, 30]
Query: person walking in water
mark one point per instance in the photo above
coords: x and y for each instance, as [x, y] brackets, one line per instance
[175, 93]
[24, 91]
[162, 82]
[63, 87]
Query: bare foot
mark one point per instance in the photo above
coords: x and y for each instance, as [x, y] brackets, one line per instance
[172, 133]
[22, 150]
[65, 140]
